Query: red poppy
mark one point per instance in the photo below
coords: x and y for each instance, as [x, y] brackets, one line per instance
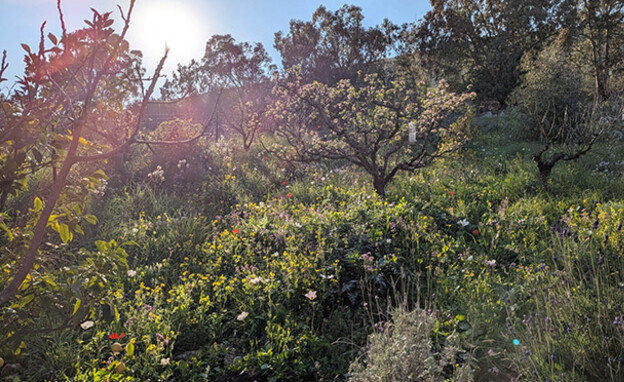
[289, 195]
[114, 336]
[266, 158]
[452, 192]
[283, 183]
[235, 231]
[475, 232]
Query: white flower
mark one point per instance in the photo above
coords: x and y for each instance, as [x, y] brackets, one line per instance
[463, 222]
[165, 361]
[255, 280]
[131, 273]
[242, 316]
[388, 241]
[87, 325]
[490, 263]
[311, 295]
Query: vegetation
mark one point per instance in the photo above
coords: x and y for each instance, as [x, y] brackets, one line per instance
[342, 219]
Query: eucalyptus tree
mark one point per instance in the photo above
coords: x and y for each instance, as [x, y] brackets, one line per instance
[480, 43]
[334, 45]
[241, 70]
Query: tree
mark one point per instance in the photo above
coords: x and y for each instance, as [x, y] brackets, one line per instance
[241, 69]
[75, 92]
[601, 22]
[553, 92]
[480, 43]
[379, 127]
[333, 46]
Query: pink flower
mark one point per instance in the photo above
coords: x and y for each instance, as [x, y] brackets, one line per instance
[311, 295]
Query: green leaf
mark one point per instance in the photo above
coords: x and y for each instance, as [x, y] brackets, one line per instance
[76, 306]
[38, 204]
[79, 229]
[91, 219]
[26, 300]
[99, 174]
[64, 232]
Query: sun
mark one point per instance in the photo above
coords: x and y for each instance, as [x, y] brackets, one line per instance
[176, 24]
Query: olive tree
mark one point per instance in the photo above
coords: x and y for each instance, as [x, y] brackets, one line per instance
[381, 127]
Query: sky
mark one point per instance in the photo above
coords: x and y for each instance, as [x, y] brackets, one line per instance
[185, 25]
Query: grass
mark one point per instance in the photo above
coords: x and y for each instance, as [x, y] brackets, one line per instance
[264, 271]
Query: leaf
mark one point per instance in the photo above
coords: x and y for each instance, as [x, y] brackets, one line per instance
[38, 204]
[99, 174]
[53, 38]
[79, 229]
[130, 349]
[26, 300]
[76, 306]
[64, 232]
[91, 219]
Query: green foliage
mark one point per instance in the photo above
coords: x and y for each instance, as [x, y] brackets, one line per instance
[380, 127]
[480, 43]
[552, 94]
[333, 45]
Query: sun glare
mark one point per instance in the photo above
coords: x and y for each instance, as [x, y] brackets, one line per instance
[175, 24]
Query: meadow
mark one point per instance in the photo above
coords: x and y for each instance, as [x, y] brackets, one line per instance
[232, 265]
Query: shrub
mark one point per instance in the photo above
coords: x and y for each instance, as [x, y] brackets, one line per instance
[403, 350]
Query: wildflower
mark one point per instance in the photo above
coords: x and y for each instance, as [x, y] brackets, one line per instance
[165, 361]
[452, 192]
[283, 183]
[242, 316]
[235, 231]
[87, 325]
[490, 263]
[114, 336]
[516, 342]
[475, 232]
[311, 295]
[490, 352]
[131, 273]
[289, 195]
[463, 222]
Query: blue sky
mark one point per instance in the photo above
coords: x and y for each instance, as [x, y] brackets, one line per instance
[245, 20]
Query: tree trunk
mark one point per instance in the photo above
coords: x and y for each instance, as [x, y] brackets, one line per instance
[379, 183]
